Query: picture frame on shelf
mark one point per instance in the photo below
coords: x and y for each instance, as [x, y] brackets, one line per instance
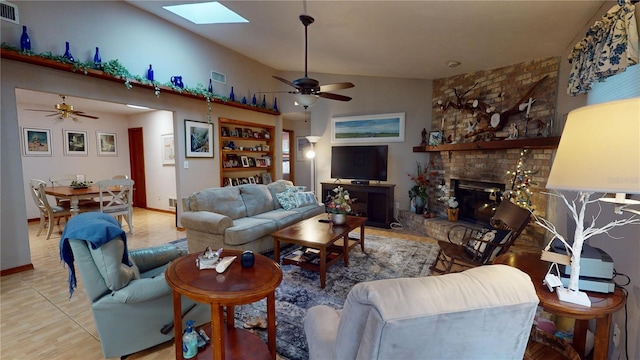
[266, 178]
[252, 180]
[226, 182]
[252, 162]
[238, 132]
[234, 182]
[435, 137]
[245, 160]
[248, 133]
[37, 142]
[107, 143]
[266, 134]
[261, 162]
[168, 149]
[75, 142]
[377, 128]
[198, 139]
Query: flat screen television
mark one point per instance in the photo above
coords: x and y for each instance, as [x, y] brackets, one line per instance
[359, 162]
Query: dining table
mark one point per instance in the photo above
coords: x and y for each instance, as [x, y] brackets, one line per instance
[73, 194]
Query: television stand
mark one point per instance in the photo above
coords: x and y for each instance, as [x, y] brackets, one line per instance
[375, 201]
[360, 182]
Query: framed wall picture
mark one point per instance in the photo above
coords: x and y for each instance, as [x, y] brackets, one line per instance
[168, 149]
[435, 137]
[380, 128]
[107, 143]
[198, 139]
[37, 142]
[75, 142]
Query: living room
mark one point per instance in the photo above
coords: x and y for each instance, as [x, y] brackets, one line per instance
[412, 96]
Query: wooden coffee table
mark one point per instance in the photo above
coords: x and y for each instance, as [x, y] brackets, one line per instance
[331, 241]
[236, 286]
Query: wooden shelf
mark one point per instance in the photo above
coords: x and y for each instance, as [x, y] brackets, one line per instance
[531, 143]
[52, 64]
[229, 173]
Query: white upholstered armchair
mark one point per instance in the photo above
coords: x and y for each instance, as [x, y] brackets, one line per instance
[482, 313]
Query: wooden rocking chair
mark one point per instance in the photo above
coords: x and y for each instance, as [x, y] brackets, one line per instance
[469, 247]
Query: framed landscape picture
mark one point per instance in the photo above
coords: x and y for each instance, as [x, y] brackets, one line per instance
[37, 142]
[107, 143]
[198, 139]
[75, 142]
[435, 137]
[168, 150]
[380, 128]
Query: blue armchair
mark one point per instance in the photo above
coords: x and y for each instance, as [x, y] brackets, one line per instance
[130, 302]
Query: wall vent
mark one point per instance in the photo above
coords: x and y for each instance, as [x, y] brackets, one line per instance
[9, 12]
[172, 202]
[218, 77]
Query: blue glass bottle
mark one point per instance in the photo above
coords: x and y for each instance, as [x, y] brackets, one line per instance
[97, 60]
[232, 96]
[275, 104]
[244, 100]
[25, 41]
[264, 101]
[150, 73]
[210, 86]
[67, 53]
[254, 101]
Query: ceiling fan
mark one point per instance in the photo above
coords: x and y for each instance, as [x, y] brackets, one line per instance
[307, 89]
[65, 110]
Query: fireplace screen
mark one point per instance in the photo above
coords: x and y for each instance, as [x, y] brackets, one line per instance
[477, 200]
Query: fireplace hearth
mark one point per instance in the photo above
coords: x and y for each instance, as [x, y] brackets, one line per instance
[477, 199]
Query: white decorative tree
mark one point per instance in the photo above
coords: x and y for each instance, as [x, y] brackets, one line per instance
[520, 179]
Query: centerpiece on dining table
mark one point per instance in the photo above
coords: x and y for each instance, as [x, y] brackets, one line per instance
[339, 205]
[80, 184]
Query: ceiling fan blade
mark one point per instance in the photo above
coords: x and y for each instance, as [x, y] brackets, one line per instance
[80, 113]
[336, 86]
[285, 81]
[334, 96]
[41, 110]
[55, 114]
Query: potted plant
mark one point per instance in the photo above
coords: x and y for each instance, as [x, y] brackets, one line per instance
[419, 191]
[339, 205]
[449, 202]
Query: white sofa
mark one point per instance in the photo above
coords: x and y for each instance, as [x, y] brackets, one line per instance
[243, 217]
[482, 313]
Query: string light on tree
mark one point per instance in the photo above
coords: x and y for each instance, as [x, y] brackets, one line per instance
[520, 179]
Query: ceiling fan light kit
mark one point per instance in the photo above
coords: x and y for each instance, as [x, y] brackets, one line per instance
[308, 90]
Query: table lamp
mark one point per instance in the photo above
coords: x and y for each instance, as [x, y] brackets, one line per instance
[599, 152]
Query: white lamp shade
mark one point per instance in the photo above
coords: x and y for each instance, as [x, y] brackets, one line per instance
[599, 150]
[313, 139]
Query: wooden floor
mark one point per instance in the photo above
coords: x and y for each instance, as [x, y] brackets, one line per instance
[39, 321]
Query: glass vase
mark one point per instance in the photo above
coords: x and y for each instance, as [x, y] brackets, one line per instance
[67, 53]
[97, 59]
[150, 73]
[420, 202]
[25, 41]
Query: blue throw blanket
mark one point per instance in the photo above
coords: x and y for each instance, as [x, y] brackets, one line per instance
[96, 228]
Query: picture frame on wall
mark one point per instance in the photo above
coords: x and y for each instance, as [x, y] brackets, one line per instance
[198, 139]
[37, 142]
[435, 138]
[168, 149]
[378, 128]
[75, 142]
[107, 143]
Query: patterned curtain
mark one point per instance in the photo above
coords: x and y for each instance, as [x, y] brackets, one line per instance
[609, 47]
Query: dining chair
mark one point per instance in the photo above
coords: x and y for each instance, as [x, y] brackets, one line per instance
[48, 213]
[116, 199]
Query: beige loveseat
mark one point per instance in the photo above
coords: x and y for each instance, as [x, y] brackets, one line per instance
[243, 217]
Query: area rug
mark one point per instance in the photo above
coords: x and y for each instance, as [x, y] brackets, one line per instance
[384, 258]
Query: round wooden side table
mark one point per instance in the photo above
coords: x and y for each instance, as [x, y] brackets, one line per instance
[602, 305]
[236, 286]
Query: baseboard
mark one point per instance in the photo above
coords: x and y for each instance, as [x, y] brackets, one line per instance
[162, 210]
[16, 270]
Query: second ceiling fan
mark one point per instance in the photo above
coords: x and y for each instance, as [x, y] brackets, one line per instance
[307, 89]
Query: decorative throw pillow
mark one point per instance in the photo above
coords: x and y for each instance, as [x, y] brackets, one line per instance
[305, 198]
[483, 251]
[287, 198]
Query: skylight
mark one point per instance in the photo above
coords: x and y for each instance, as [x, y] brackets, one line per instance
[206, 13]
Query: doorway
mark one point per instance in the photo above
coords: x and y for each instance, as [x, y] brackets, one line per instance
[288, 166]
[136, 161]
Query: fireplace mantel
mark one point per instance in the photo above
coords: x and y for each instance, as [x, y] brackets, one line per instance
[531, 143]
